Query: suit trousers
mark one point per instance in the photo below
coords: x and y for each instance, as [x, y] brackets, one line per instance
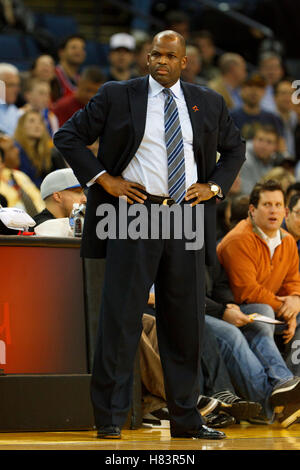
[132, 267]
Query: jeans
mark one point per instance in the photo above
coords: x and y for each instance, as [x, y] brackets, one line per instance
[260, 337]
[252, 358]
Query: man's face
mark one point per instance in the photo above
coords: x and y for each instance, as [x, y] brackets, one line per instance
[239, 71]
[269, 213]
[74, 52]
[12, 87]
[293, 220]
[44, 68]
[207, 49]
[283, 97]
[68, 197]
[86, 90]
[252, 95]
[272, 70]
[166, 60]
[121, 58]
[39, 96]
[264, 144]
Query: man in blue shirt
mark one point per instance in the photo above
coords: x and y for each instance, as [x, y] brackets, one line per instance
[10, 84]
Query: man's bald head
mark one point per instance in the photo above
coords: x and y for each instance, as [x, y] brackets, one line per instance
[167, 57]
[170, 36]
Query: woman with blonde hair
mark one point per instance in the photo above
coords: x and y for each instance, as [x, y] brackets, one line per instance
[35, 146]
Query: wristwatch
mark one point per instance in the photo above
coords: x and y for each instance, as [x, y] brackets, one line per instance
[214, 188]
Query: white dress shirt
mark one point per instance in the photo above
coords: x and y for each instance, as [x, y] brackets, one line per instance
[149, 166]
[271, 242]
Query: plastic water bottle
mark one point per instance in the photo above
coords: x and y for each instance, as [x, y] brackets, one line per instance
[76, 219]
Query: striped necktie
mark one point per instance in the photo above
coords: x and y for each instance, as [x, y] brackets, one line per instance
[175, 152]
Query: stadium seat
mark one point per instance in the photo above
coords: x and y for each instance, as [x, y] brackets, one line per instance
[59, 26]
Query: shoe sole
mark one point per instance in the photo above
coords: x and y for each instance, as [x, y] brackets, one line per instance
[287, 395]
[242, 410]
[213, 405]
[290, 419]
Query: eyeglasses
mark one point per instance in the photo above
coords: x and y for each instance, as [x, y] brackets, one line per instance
[297, 213]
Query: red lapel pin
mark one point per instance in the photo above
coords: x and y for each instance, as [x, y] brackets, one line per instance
[195, 108]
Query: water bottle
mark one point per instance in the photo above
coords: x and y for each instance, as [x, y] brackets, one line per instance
[76, 219]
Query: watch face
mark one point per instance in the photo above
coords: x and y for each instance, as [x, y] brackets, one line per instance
[214, 188]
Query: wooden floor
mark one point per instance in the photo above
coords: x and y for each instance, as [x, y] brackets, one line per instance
[243, 436]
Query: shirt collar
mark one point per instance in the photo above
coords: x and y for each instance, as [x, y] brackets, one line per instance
[275, 240]
[155, 88]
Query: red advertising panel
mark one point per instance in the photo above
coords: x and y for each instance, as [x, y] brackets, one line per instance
[42, 321]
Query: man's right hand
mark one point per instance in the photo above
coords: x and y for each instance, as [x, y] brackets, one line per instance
[118, 186]
[235, 316]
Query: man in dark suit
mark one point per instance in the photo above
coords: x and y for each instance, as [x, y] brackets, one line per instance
[142, 133]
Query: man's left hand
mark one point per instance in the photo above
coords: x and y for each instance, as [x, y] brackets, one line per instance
[290, 306]
[289, 332]
[201, 192]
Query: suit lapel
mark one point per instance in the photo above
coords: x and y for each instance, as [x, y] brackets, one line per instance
[195, 104]
[138, 99]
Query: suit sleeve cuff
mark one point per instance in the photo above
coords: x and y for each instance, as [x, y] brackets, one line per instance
[92, 181]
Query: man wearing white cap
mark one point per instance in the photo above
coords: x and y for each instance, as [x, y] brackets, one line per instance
[121, 56]
[60, 190]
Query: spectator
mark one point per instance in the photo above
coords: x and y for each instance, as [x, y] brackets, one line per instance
[9, 114]
[283, 176]
[283, 91]
[121, 56]
[215, 380]
[238, 209]
[16, 186]
[43, 68]
[291, 190]
[233, 73]
[60, 189]
[253, 360]
[204, 40]
[71, 55]
[292, 219]
[250, 115]
[180, 22]
[142, 50]
[10, 150]
[271, 68]
[37, 94]
[262, 264]
[296, 108]
[89, 82]
[35, 145]
[14, 16]
[192, 71]
[260, 157]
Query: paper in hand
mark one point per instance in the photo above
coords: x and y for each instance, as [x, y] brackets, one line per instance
[264, 319]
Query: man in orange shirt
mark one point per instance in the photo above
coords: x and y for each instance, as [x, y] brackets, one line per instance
[262, 264]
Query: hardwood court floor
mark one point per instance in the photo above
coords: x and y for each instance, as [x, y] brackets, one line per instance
[242, 436]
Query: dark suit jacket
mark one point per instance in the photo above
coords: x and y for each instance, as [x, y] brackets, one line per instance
[117, 114]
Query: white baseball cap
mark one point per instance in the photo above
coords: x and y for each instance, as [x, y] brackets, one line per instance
[58, 180]
[122, 40]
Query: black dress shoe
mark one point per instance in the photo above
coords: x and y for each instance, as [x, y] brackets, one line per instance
[203, 433]
[109, 431]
